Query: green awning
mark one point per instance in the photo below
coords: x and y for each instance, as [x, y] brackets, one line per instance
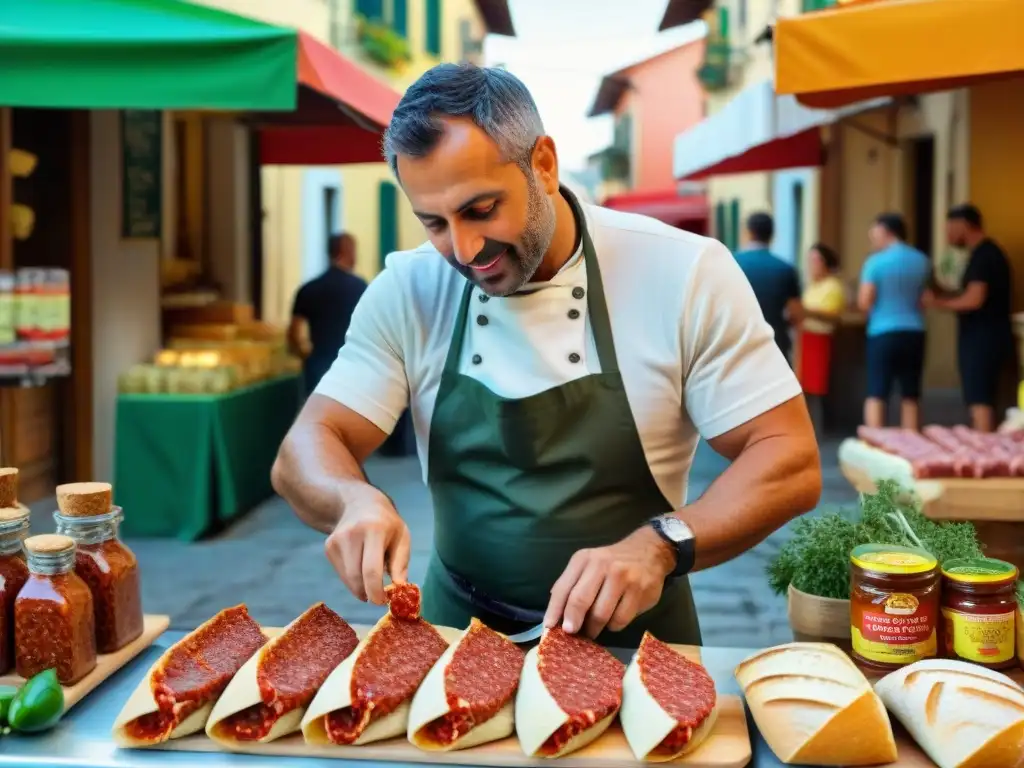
[142, 54]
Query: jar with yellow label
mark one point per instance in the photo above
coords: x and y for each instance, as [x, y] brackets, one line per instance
[979, 607]
[894, 605]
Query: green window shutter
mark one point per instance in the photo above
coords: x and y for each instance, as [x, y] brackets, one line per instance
[734, 224]
[371, 9]
[400, 17]
[720, 225]
[432, 12]
[723, 23]
[388, 220]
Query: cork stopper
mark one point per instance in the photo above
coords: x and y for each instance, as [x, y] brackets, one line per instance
[11, 514]
[84, 499]
[8, 486]
[49, 544]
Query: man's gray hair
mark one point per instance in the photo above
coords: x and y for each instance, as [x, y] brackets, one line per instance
[496, 100]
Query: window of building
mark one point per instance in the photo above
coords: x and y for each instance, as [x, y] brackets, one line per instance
[331, 219]
[388, 220]
[432, 15]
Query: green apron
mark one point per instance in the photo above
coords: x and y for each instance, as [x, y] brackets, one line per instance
[519, 485]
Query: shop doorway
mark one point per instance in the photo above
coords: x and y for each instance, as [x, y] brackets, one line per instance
[922, 193]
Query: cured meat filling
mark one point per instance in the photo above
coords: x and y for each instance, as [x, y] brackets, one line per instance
[403, 601]
[292, 670]
[388, 671]
[198, 671]
[683, 689]
[480, 679]
[583, 678]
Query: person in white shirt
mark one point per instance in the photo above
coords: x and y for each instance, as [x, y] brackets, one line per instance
[560, 361]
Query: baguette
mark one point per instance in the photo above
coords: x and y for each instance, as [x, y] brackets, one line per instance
[815, 707]
[962, 715]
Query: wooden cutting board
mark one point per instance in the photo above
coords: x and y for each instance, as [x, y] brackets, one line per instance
[727, 747]
[107, 663]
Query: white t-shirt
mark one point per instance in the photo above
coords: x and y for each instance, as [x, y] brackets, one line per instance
[696, 355]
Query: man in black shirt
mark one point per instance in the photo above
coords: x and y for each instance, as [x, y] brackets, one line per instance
[323, 309]
[983, 308]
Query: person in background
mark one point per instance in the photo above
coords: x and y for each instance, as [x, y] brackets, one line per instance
[985, 338]
[892, 285]
[823, 301]
[323, 309]
[775, 282]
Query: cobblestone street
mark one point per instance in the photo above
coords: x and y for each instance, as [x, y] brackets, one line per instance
[272, 562]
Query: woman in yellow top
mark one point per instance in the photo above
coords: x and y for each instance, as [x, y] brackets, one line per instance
[823, 302]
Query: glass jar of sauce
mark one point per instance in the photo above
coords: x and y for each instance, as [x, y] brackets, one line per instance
[14, 524]
[53, 613]
[112, 573]
[894, 605]
[979, 607]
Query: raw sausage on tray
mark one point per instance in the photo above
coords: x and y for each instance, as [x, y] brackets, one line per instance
[669, 703]
[367, 697]
[269, 695]
[176, 696]
[569, 693]
[468, 697]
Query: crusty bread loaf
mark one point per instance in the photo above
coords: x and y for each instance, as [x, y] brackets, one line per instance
[815, 707]
[962, 715]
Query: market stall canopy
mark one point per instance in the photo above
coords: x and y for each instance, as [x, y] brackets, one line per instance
[142, 54]
[680, 12]
[339, 117]
[665, 205]
[896, 47]
[757, 131]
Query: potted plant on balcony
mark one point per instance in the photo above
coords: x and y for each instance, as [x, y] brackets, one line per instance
[813, 567]
[382, 44]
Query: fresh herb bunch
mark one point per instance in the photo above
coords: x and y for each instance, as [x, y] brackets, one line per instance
[816, 560]
[1020, 594]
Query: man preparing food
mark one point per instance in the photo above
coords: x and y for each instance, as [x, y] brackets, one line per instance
[560, 362]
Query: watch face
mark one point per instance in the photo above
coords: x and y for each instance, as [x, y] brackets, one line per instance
[675, 528]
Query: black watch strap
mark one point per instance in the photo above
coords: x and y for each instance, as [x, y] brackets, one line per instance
[678, 535]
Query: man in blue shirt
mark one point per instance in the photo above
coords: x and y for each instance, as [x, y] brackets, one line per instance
[775, 282]
[323, 309]
[892, 284]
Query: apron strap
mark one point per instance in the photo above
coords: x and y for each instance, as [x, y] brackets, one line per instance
[597, 307]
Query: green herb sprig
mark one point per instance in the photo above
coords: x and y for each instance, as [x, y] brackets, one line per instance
[816, 560]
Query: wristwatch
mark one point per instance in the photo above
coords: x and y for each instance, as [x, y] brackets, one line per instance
[680, 537]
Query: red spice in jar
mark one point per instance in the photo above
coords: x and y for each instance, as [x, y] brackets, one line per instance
[13, 575]
[112, 573]
[53, 614]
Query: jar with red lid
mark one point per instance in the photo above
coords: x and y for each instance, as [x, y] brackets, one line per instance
[53, 614]
[112, 572]
[14, 524]
[979, 608]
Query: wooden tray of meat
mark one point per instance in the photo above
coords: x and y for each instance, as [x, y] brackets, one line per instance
[407, 691]
[106, 663]
[957, 473]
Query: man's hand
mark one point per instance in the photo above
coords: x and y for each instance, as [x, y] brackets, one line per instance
[610, 586]
[928, 299]
[370, 538]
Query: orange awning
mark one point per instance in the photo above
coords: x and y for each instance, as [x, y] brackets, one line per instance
[341, 114]
[897, 47]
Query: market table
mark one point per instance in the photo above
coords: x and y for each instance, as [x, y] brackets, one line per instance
[82, 738]
[186, 464]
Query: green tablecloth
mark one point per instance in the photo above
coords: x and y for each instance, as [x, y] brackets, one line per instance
[185, 464]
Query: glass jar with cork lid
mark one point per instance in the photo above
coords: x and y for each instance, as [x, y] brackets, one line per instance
[86, 513]
[53, 614]
[14, 525]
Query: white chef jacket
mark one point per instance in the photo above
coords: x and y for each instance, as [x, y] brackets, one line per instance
[696, 354]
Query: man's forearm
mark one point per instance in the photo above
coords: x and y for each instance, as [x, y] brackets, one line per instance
[318, 475]
[770, 483]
